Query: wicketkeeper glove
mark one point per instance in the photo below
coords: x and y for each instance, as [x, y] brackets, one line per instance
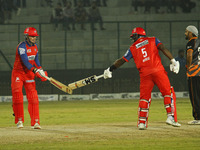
[107, 73]
[39, 73]
[174, 66]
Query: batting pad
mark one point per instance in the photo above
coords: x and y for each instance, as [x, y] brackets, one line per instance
[167, 103]
[33, 106]
[18, 108]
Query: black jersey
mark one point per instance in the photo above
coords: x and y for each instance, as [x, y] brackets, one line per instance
[194, 45]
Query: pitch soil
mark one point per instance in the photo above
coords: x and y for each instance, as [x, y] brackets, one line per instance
[92, 132]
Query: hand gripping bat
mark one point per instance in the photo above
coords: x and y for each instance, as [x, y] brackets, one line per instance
[84, 82]
[59, 85]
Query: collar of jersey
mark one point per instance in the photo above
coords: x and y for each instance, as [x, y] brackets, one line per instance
[29, 44]
[142, 36]
[193, 38]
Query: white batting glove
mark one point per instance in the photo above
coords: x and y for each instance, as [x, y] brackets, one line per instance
[174, 66]
[41, 72]
[107, 73]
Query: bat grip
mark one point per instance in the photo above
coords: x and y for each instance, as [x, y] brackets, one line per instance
[48, 78]
[100, 76]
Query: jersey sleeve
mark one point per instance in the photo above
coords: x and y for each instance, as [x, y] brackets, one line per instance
[37, 62]
[24, 57]
[128, 55]
[157, 42]
[190, 45]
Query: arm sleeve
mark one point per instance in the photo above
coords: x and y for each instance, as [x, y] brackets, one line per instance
[128, 55]
[24, 57]
[157, 42]
[190, 45]
[37, 62]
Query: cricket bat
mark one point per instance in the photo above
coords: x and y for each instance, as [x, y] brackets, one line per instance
[84, 82]
[59, 85]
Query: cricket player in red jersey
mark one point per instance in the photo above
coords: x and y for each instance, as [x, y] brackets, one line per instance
[26, 67]
[145, 52]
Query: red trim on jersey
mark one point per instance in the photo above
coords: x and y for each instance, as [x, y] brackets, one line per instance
[39, 67]
[193, 38]
[190, 50]
[125, 59]
[32, 68]
[159, 44]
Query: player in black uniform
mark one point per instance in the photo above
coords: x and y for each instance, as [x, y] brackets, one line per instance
[193, 71]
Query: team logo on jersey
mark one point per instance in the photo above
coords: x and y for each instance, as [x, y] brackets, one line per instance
[21, 51]
[29, 51]
[17, 79]
[142, 44]
[32, 57]
[35, 49]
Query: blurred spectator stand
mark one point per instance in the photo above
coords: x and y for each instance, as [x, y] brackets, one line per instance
[81, 14]
[95, 16]
[57, 15]
[68, 14]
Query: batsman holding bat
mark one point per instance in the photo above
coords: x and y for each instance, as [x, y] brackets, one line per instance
[26, 67]
[145, 52]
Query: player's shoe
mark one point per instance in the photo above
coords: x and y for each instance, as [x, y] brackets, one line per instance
[142, 126]
[194, 122]
[36, 126]
[170, 121]
[20, 124]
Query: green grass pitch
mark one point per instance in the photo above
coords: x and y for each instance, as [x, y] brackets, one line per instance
[99, 125]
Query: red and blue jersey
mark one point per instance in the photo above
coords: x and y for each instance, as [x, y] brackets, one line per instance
[26, 57]
[146, 55]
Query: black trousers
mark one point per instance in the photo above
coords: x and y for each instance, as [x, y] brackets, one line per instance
[194, 92]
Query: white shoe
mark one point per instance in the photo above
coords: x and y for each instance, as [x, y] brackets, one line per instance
[20, 124]
[142, 126]
[194, 122]
[170, 121]
[36, 126]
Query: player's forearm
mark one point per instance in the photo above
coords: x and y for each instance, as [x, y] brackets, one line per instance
[165, 51]
[119, 62]
[37, 61]
[168, 54]
[25, 61]
[189, 63]
[189, 59]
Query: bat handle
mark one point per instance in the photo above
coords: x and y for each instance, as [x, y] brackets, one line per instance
[100, 76]
[48, 78]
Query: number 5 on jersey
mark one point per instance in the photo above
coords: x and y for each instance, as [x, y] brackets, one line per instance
[144, 52]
